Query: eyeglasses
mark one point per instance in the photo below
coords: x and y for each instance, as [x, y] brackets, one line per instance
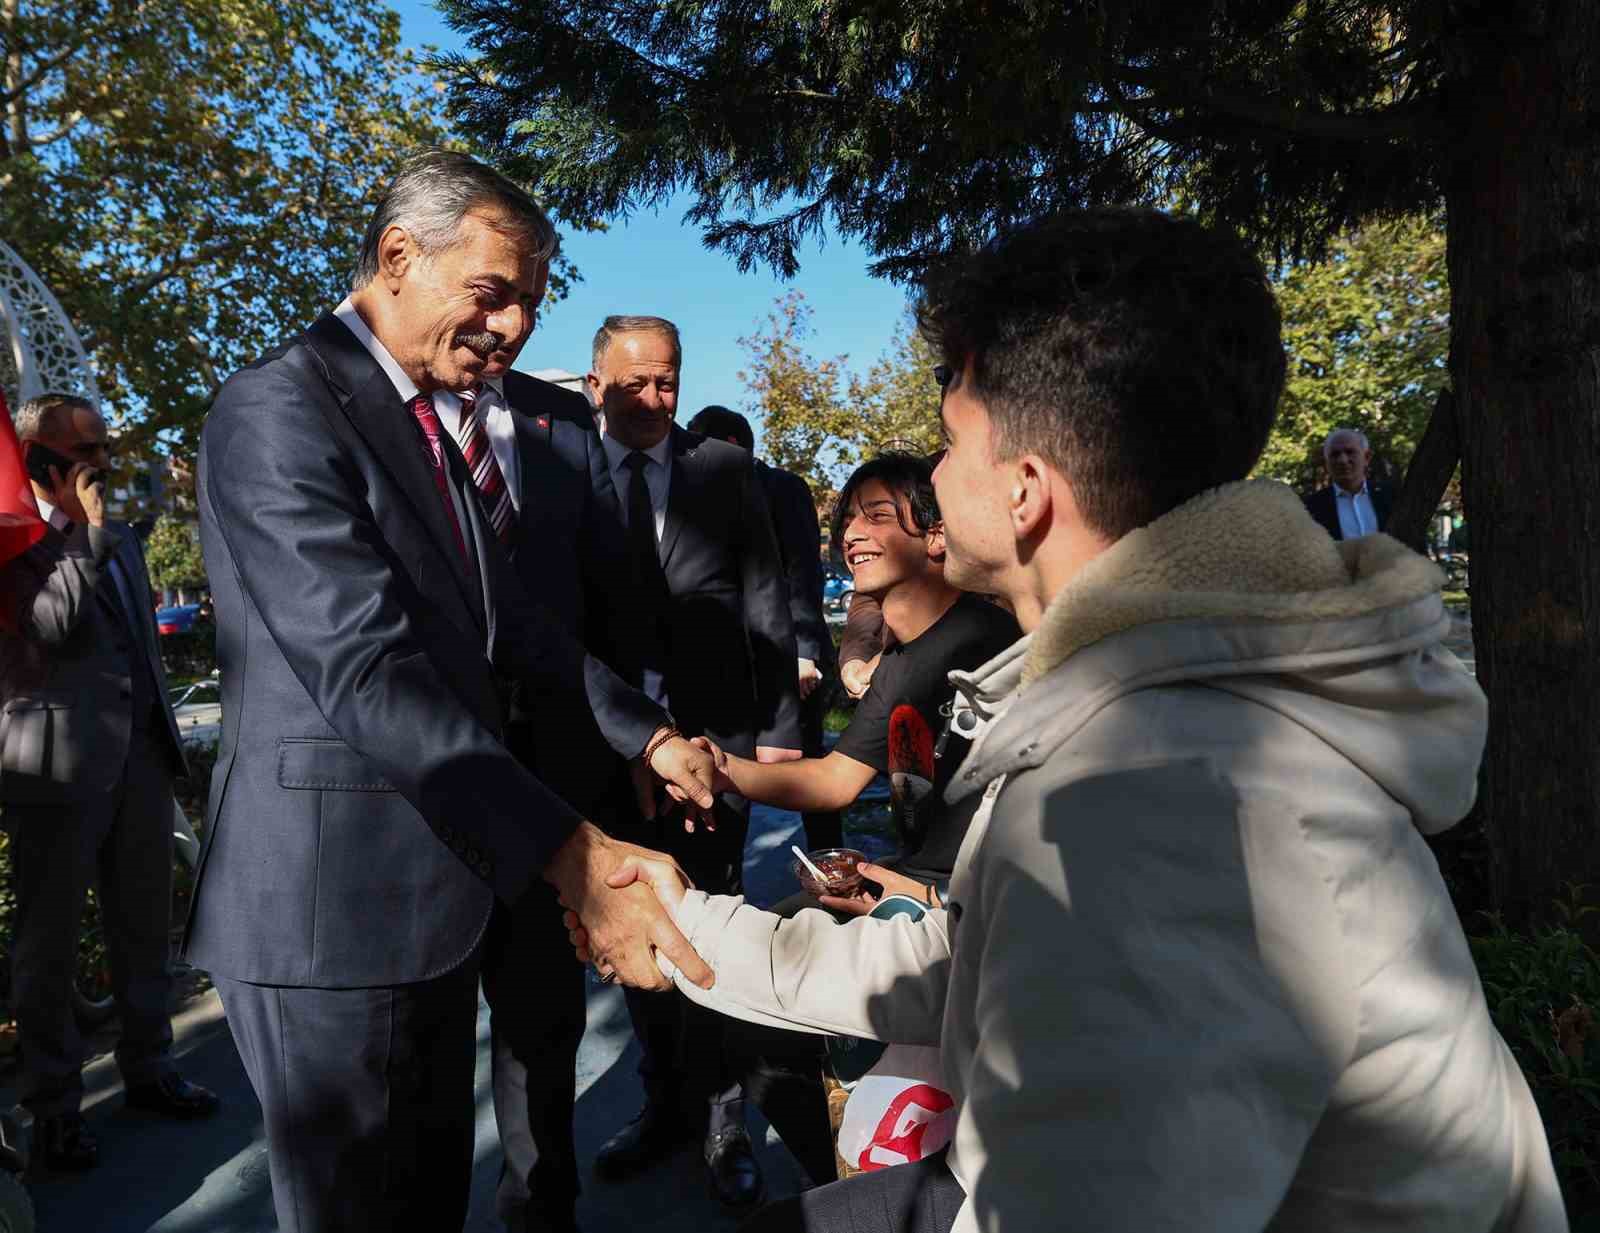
[942, 375]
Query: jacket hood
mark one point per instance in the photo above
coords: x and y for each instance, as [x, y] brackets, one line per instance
[1239, 589]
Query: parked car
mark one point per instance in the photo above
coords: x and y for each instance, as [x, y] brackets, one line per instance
[179, 619]
[837, 588]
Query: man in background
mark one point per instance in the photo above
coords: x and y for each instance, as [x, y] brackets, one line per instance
[90, 753]
[1350, 506]
[688, 603]
[794, 520]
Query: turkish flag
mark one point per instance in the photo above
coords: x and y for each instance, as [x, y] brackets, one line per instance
[20, 524]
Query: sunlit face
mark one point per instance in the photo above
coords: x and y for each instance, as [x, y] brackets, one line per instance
[973, 491]
[635, 385]
[1348, 460]
[878, 549]
[465, 312]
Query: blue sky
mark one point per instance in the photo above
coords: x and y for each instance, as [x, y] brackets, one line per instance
[653, 263]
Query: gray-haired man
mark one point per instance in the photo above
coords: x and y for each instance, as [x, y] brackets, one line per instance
[366, 815]
[1351, 505]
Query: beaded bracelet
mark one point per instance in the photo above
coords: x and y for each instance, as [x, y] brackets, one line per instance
[657, 741]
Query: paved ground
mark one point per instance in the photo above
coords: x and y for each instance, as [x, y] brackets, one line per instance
[159, 1177]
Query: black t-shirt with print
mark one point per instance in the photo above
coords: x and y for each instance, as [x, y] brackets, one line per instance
[898, 722]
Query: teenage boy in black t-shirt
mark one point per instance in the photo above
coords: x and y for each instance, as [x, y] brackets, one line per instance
[886, 528]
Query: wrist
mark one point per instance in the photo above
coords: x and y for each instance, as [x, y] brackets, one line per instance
[573, 860]
[662, 737]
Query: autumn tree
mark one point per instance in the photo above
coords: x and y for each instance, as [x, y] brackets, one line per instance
[821, 420]
[925, 125]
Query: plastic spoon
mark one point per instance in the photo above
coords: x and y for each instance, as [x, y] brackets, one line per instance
[822, 878]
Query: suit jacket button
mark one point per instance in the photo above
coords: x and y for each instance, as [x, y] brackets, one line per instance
[472, 856]
[485, 869]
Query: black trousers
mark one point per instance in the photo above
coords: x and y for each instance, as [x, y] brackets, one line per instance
[826, 829]
[367, 1096]
[534, 985]
[923, 1197]
[120, 840]
[683, 1060]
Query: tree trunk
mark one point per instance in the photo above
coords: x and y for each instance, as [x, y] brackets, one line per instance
[1432, 465]
[1523, 203]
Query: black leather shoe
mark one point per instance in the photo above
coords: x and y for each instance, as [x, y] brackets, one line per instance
[65, 1143]
[731, 1167]
[648, 1138]
[173, 1096]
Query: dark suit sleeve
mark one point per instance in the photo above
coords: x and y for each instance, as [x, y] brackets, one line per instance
[795, 515]
[288, 502]
[559, 672]
[767, 620]
[48, 586]
[863, 629]
[1321, 507]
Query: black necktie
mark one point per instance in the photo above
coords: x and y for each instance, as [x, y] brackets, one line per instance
[642, 530]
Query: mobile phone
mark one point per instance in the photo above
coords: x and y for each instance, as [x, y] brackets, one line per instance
[41, 458]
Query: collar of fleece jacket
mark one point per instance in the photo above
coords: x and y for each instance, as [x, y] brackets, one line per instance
[1244, 551]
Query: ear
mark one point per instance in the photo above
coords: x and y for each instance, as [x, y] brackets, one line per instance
[593, 382]
[397, 254]
[1030, 499]
[934, 542]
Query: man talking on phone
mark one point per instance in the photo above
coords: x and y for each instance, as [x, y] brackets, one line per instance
[88, 752]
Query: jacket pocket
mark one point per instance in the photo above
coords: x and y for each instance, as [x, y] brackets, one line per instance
[322, 765]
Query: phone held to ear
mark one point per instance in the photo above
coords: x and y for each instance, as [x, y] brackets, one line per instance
[41, 458]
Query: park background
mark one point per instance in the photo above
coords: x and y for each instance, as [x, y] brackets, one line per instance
[189, 178]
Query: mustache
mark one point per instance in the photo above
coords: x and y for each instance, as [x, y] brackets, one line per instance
[483, 345]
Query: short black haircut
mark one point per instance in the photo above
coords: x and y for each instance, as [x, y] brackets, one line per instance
[723, 424]
[1137, 352]
[909, 477]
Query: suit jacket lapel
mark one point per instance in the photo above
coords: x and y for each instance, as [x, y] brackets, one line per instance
[681, 489]
[369, 400]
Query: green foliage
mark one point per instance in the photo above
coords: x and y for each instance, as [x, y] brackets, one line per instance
[191, 177]
[1368, 334]
[821, 424]
[173, 553]
[1543, 991]
[925, 124]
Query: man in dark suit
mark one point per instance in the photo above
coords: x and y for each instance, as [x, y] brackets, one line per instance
[90, 750]
[540, 437]
[691, 605]
[365, 814]
[1350, 506]
[794, 520]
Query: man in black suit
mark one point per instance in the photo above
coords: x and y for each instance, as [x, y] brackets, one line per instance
[690, 604]
[794, 520]
[88, 753]
[540, 437]
[1349, 507]
[365, 814]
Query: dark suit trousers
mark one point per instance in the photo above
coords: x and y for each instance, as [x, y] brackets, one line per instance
[683, 1057]
[122, 841]
[367, 1096]
[535, 989]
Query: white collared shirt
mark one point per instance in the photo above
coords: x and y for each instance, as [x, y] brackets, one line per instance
[492, 408]
[657, 475]
[1356, 515]
[52, 514]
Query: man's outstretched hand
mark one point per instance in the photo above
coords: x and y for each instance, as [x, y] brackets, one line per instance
[625, 923]
[660, 873]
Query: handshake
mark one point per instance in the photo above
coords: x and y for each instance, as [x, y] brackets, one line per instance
[619, 896]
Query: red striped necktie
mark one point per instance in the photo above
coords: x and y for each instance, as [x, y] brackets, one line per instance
[428, 421]
[475, 448]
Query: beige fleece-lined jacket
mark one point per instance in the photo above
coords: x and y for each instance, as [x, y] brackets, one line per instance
[1199, 970]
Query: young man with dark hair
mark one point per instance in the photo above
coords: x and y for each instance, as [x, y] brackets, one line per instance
[1198, 968]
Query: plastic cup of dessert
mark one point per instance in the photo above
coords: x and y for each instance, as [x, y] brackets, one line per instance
[839, 866]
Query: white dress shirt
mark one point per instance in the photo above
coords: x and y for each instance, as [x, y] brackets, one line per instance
[1356, 515]
[657, 475]
[492, 408]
